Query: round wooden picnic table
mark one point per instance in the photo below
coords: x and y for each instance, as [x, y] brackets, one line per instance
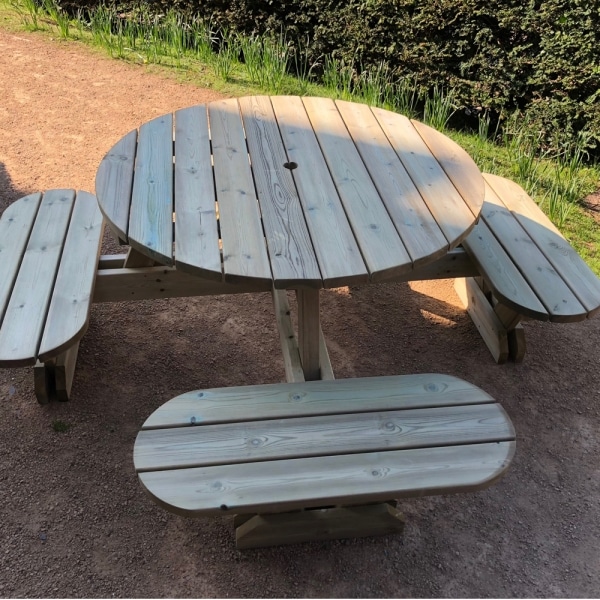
[304, 193]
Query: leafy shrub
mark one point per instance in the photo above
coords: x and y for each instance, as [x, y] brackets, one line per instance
[538, 57]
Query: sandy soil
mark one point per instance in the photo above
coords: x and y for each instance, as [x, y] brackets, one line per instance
[75, 523]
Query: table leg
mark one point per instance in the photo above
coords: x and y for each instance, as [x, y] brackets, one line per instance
[308, 332]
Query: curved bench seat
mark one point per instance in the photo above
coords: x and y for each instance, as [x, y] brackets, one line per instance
[49, 250]
[286, 447]
[529, 270]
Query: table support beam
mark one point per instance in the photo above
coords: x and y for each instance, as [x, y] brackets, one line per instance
[308, 332]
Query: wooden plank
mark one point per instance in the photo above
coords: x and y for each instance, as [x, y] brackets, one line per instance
[443, 200]
[69, 310]
[149, 283]
[309, 328]
[336, 249]
[290, 248]
[281, 400]
[16, 224]
[453, 264]
[64, 370]
[502, 274]
[43, 382]
[492, 331]
[326, 524]
[412, 218]
[151, 217]
[558, 299]
[196, 232]
[114, 181]
[563, 257]
[289, 343]
[244, 250]
[324, 361]
[25, 315]
[287, 337]
[325, 481]
[458, 165]
[136, 259]
[517, 346]
[327, 435]
[379, 242]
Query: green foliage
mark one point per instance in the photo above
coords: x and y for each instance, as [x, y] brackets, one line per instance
[539, 57]
[60, 426]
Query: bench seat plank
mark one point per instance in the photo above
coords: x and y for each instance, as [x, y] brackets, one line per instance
[15, 227]
[230, 443]
[503, 275]
[281, 400]
[73, 290]
[23, 323]
[312, 482]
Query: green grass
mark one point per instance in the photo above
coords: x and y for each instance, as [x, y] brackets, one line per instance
[208, 56]
[60, 426]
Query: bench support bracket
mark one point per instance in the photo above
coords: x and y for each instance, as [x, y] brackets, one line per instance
[257, 531]
[499, 326]
[53, 379]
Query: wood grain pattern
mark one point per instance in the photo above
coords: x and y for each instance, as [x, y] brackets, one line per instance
[458, 165]
[584, 284]
[151, 218]
[443, 200]
[379, 242]
[291, 251]
[244, 249]
[272, 440]
[196, 233]
[324, 481]
[16, 223]
[282, 400]
[73, 290]
[26, 312]
[558, 299]
[114, 181]
[418, 229]
[337, 252]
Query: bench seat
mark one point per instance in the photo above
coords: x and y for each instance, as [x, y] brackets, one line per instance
[49, 250]
[528, 270]
[277, 448]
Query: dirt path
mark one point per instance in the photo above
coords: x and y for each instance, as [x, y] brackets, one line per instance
[75, 523]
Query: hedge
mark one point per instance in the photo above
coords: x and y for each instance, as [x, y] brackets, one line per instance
[539, 57]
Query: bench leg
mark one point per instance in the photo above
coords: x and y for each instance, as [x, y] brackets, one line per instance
[43, 381]
[53, 379]
[490, 327]
[516, 334]
[259, 531]
[498, 325]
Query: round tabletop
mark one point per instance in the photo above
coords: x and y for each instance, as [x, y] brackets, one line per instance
[300, 191]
